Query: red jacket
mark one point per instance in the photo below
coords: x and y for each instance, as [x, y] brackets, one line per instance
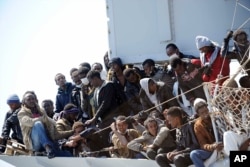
[216, 68]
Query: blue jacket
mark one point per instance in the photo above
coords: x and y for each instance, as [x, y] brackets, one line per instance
[63, 97]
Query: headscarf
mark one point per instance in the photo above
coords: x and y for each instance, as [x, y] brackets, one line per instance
[198, 103]
[144, 85]
[73, 110]
[202, 41]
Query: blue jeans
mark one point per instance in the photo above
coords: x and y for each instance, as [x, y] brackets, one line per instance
[199, 156]
[139, 156]
[40, 139]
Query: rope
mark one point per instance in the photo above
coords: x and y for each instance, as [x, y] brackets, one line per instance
[245, 55]
[243, 6]
[232, 25]
[190, 121]
[223, 62]
[235, 8]
[245, 22]
[237, 72]
[146, 111]
[197, 86]
[240, 25]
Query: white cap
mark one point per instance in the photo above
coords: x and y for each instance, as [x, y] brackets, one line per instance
[202, 41]
[199, 102]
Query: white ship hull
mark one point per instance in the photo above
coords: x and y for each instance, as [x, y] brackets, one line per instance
[38, 161]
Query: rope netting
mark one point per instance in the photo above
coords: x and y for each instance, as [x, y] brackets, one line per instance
[230, 109]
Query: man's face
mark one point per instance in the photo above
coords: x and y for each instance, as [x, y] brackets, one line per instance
[152, 87]
[93, 82]
[172, 121]
[132, 78]
[203, 112]
[171, 51]
[48, 107]
[152, 128]
[60, 80]
[97, 67]
[121, 126]
[205, 49]
[147, 69]
[30, 100]
[115, 67]
[76, 79]
[242, 39]
[14, 106]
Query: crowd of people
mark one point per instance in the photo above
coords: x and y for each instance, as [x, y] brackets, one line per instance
[123, 111]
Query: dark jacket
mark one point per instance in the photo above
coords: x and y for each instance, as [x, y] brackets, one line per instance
[76, 97]
[119, 88]
[164, 76]
[121, 98]
[80, 99]
[132, 93]
[12, 123]
[8, 114]
[107, 105]
[240, 53]
[63, 97]
[186, 139]
[187, 83]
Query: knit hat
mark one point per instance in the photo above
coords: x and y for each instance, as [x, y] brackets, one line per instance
[116, 60]
[202, 41]
[198, 103]
[13, 99]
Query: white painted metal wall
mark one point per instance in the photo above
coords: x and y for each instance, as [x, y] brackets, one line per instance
[140, 29]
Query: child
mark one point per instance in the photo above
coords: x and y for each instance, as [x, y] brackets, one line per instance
[81, 146]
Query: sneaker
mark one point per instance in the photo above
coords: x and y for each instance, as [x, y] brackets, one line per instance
[50, 154]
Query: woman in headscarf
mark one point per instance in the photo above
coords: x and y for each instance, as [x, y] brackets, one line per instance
[215, 66]
[156, 96]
